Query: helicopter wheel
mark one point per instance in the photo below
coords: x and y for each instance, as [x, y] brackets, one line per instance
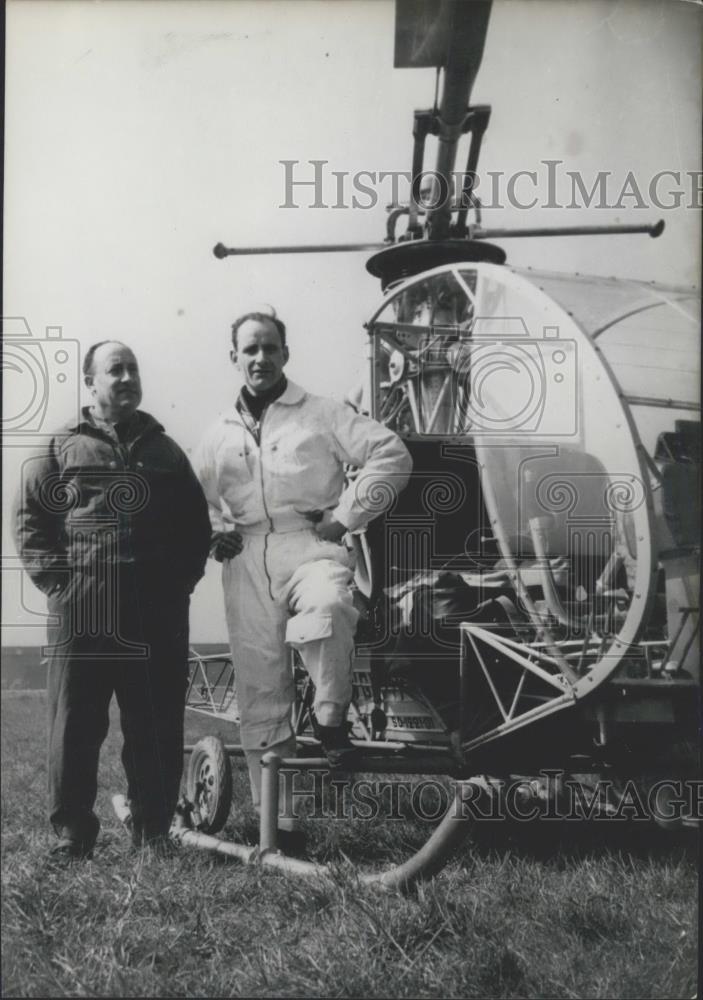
[209, 784]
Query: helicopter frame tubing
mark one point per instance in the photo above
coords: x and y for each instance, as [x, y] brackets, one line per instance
[211, 692]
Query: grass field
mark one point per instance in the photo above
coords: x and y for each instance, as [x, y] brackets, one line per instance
[595, 910]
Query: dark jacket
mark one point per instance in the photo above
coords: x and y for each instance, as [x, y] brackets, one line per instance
[86, 501]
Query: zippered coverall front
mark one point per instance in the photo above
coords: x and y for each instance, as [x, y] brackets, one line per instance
[289, 586]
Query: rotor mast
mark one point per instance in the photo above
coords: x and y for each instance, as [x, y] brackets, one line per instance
[447, 35]
[466, 28]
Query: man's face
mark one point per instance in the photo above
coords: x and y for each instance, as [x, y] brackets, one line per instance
[259, 355]
[114, 382]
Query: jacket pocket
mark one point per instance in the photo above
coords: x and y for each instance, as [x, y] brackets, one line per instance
[308, 627]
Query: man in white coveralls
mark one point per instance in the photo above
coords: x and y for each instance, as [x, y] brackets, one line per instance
[273, 472]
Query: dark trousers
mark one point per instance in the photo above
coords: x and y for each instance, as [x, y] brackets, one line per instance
[132, 643]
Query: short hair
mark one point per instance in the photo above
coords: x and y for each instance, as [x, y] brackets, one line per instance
[90, 354]
[260, 317]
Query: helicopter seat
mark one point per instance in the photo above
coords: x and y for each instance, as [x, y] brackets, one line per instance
[571, 542]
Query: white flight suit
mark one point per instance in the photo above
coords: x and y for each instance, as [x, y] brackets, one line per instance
[288, 585]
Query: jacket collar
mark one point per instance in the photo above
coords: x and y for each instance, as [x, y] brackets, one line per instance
[146, 424]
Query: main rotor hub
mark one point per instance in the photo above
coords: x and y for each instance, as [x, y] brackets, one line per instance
[403, 260]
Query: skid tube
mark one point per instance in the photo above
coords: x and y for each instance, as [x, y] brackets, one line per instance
[378, 757]
[426, 862]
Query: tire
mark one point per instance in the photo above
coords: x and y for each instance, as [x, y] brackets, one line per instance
[209, 784]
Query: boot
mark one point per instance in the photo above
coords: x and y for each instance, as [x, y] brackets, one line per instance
[339, 750]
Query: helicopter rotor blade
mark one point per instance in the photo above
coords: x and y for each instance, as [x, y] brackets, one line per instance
[425, 32]
[654, 229]
[477, 233]
[221, 251]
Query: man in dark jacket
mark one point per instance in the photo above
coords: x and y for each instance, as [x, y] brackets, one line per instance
[113, 527]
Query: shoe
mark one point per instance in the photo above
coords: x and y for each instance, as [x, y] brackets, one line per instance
[339, 749]
[66, 850]
[292, 842]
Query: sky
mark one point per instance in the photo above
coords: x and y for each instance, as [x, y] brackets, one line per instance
[139, 133]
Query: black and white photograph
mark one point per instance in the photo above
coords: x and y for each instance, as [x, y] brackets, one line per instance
[351, 498]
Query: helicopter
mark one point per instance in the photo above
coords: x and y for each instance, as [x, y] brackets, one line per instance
[530, 600]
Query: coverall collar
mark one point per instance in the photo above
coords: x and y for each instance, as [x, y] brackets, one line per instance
[256, 404]
[293, 395]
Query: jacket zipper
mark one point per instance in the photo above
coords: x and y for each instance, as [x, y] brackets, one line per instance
[124, 534]
[263, 500]
[125, 453]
